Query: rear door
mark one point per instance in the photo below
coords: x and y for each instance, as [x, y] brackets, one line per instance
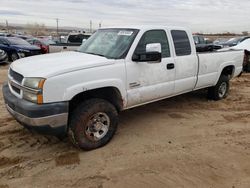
[186, 61]
[150, 81]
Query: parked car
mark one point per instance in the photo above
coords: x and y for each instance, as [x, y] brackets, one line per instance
[203, 45]
[234, 41]
[73, 41]
[42, 43]
[220, 41]
[3, 57]
[82, 92]
[18, 48]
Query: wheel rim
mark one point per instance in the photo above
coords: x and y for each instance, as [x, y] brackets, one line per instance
[97, 126]
[222, 89]
[14, 57]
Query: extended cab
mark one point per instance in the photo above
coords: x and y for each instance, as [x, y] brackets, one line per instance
[82, 92]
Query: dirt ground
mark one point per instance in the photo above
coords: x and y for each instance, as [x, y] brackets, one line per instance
[186, 141]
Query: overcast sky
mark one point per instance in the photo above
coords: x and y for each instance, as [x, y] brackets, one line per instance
[200, 16]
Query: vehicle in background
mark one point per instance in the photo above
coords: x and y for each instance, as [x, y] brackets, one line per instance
[73, 41]
[220, 41]
[24, 37]
[203, 45]
[5, 35]
[18, 48]
[41, 43]
[3, 57]
[234, 41]
[245, 45]
[82, 92]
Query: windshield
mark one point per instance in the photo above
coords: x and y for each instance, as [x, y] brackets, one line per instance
[110, 43]
[17, 41]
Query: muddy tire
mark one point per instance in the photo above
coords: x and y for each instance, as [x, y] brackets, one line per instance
[220, 90]
[92, 124]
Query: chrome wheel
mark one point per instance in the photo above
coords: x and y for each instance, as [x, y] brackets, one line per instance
[97, 126]
[222, 89]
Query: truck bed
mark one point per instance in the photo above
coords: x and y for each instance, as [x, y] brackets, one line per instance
[212, 63]
[63, 47]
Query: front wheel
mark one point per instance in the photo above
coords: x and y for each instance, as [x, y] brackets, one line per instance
[220, 90]
[14, 56]
[92, 124]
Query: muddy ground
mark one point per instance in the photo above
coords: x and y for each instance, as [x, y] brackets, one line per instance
[186, 141]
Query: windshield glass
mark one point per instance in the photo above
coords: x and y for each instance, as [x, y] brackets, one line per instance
[17, 41]
[110, 43]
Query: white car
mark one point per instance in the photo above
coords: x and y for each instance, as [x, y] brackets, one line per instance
[81, 93]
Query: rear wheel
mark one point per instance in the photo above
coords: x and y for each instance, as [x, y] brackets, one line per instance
[92, 124]
[220, 90]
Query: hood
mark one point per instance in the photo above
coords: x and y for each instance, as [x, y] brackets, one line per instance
[49, 65]
[26, 47]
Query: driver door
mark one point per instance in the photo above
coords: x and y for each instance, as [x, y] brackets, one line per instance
[149, 81]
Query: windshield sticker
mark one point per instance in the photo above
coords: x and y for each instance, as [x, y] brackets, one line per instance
[125, 33]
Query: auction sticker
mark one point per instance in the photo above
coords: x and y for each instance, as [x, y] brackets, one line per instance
[126, 33]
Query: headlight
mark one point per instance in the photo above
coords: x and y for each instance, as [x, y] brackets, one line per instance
[33, 89]
[23, 50]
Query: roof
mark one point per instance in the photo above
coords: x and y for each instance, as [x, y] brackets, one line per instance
[146, 27]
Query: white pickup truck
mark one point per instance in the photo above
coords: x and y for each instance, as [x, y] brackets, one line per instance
[81, 93]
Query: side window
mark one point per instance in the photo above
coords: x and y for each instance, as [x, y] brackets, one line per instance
[154, 36]
[181, 42]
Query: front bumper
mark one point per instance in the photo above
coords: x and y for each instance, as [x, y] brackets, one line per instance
[46, 118]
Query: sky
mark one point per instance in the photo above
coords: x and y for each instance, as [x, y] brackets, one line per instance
[208, 16]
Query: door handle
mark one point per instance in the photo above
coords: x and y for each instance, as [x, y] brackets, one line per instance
[170, 66]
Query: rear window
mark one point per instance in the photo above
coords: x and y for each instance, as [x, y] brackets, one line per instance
[181, 42]
[77, 38]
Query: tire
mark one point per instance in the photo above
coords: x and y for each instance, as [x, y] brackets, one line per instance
[14, 56]
[93, 124]
[220, 90]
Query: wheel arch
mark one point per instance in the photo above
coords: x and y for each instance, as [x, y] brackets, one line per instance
[110, 93]
[227, 70]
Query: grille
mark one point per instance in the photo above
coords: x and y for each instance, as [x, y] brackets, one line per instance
[16, 76]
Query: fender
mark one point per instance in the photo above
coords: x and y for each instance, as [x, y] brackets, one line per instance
[82, 87]
[221, 68]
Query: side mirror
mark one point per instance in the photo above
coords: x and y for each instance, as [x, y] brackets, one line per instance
[153, 47]
[152, 54]
[83, 40]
